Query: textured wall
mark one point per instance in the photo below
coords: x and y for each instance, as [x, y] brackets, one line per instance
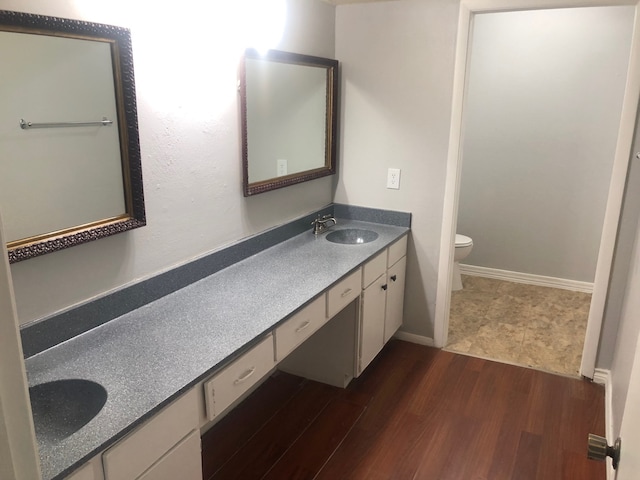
[186, 63]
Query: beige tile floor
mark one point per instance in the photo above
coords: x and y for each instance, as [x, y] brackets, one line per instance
[527, 325]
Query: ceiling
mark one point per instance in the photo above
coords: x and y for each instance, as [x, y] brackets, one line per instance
[344, 2]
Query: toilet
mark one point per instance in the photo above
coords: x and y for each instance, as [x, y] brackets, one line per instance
[464, 245]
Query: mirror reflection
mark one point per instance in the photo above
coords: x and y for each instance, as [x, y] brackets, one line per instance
[68, 134]
[289, 108]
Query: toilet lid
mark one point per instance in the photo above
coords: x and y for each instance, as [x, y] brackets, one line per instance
[463, 240]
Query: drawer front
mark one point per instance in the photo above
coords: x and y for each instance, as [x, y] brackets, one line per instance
[183, 462]
[343, 293]
[374, 268]
[397, 251]
[144, 446]
[300, 327]
[228, 385]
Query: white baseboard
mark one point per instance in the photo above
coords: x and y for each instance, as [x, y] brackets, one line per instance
[413, 338]
[603, 377]
[528, 278]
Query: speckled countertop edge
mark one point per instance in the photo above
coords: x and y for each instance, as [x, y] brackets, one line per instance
[147, 357]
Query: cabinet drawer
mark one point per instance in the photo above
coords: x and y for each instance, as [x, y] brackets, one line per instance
[182, 462]
[343, 293]
[144, 446]
[374, 268]
[397, 251]
[228, 385]
[300, 327]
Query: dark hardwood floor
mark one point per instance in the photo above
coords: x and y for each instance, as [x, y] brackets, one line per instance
[416, 413]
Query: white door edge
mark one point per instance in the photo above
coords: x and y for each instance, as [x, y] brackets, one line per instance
[18, 451]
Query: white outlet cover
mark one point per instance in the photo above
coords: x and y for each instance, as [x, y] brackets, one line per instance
[393, 178]
[281, 165]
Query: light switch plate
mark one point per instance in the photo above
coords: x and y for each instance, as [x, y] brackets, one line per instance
[393, 178]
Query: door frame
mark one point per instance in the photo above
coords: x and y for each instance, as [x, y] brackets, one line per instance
[468, 9]
[19, 458]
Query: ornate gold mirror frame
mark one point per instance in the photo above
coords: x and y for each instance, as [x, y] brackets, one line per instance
[279, 125]
[119, 42]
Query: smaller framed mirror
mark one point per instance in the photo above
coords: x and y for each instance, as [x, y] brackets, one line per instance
[289, 114]
[71, 168]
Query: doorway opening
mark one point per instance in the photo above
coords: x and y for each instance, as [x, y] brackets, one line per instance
[537, 178]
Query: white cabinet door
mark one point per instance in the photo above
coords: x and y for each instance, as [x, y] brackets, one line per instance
[134, 454]
[395, 298]
[372, 321]
[183, 462]
[87, 472]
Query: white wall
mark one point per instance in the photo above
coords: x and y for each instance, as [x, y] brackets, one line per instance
[397, 73]
[543, 105]
[186, 57]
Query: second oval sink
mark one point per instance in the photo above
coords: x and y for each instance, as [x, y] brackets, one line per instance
[352, 236]
[62, 407]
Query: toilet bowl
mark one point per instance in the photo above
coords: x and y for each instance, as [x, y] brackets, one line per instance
[463, 248]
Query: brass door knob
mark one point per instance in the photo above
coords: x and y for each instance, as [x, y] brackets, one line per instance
[598, 449]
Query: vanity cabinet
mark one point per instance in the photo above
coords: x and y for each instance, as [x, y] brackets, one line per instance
[328, 356]
[169, 442]
[382, 299]
[183, 461]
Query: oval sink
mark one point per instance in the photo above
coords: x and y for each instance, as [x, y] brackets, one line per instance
[352, 236]
[62, 407]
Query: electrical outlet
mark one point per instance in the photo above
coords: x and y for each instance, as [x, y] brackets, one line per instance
[393, 178]
[281, 167]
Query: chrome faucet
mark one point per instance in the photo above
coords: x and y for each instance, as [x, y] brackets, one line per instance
[320, 223]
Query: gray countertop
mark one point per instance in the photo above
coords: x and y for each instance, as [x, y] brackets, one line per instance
[146, 358]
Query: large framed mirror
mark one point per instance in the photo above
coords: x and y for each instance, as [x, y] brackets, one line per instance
[289, 114]
[70, 169]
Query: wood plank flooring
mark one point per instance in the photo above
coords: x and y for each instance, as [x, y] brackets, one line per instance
[416, 413]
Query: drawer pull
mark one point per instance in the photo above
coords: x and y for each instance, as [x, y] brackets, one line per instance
[346, 292]
[393, 278]
[244, 376]
[384, 287]
[303, 326]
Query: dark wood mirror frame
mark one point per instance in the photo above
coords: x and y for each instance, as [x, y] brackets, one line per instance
[124, 85]
[331, 121]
